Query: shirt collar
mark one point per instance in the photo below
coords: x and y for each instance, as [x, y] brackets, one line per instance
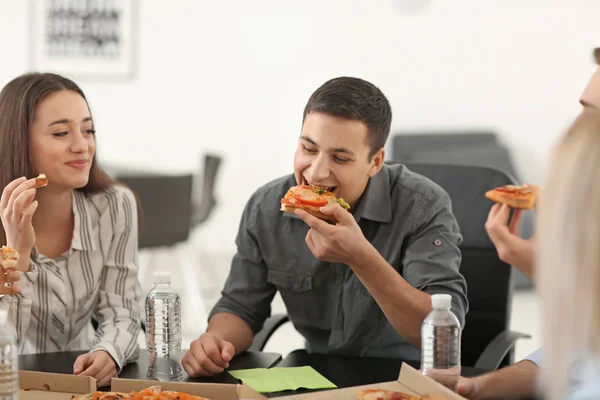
[83, 232]
[376, 203]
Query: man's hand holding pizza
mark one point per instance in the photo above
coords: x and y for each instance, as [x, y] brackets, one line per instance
[343, 242]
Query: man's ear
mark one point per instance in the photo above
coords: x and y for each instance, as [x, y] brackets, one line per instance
[377, 162]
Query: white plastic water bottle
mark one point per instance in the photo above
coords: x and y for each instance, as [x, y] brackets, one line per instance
[9, 361]
[440, 343]
[163, 329]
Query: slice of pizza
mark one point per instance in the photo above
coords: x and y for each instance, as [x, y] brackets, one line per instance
[514, 196]
[156, 393]
[41, 181]
[380, 394]
[151, 393]
[104, 396]
[310, 199]
[9, 258]
[170, 395]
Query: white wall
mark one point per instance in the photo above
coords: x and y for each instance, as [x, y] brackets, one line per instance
[232, 76]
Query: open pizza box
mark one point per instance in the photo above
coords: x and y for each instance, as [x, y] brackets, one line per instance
[49, 386]
[410, 382]
[213, 391]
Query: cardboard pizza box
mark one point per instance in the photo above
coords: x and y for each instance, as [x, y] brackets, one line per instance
[410, 382]
[48, 386]
[213, 391]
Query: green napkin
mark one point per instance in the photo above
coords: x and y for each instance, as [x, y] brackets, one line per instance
[269, 380]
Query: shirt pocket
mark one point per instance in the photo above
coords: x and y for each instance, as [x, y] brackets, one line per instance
[290, 281]
[297, 294]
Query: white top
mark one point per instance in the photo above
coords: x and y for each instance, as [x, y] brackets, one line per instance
[584, 379]
[3, 316]
[96, 277]
[588, 386]
[441, 301]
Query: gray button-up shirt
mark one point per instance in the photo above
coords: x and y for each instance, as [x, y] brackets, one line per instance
[405, 216]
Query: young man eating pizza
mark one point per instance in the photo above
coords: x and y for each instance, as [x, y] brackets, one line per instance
[360, 285]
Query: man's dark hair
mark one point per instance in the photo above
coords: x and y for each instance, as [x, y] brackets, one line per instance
[597, 55]
[355, 99]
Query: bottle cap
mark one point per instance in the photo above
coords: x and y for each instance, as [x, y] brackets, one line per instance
[441, 301]
[3, 316]
[162, 277]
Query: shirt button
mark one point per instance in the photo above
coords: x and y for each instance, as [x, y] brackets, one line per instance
[437, 242]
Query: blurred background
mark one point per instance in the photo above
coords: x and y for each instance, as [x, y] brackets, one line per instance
[229, 79]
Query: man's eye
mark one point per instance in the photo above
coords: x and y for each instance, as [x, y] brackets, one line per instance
[60, 134]
[340, 160]
[308, 150]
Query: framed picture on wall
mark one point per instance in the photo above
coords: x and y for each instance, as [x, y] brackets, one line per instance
[85, 38]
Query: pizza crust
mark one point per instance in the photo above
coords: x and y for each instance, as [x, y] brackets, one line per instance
[309, 209]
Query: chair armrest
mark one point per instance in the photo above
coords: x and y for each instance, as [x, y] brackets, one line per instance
[271, 325]
[497, 349]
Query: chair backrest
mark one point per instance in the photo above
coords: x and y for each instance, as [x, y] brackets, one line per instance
[457, 148]
[489, 280]
[166, 207]
[203, 199]
[434, 140]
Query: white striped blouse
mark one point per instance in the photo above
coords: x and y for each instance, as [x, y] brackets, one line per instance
[96, 278]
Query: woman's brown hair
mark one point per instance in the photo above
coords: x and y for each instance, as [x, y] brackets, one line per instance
[18, 102]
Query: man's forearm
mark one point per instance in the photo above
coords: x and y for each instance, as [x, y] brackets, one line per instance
[403, 305]
[233, 329]
[510, 383]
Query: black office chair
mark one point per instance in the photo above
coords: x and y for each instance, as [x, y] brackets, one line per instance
[203, 197]
[166, 202]
[166, 207]
[460, 147]
[487, 342]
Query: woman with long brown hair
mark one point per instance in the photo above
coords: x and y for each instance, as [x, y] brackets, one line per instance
[77, 237]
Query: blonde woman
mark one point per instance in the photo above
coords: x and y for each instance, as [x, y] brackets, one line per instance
[568, 267]
[517, 381]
